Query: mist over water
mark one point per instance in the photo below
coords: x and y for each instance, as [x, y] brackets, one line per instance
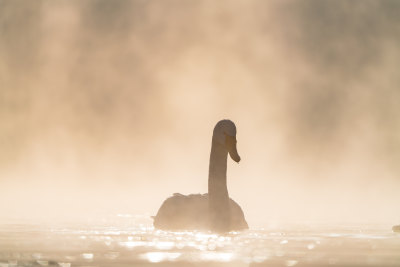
[108, 106]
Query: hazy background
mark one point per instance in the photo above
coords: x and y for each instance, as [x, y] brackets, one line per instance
[108, 107]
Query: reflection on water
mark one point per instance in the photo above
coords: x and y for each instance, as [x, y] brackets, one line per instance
[126, 240]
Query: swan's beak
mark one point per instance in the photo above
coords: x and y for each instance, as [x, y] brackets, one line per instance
[230, 142]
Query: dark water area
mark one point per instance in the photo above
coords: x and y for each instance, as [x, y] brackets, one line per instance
[130, 240]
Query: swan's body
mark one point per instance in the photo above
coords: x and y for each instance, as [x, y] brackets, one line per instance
[212, 211]
[191, 213]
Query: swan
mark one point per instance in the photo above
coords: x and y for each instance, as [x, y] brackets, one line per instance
[213, 211]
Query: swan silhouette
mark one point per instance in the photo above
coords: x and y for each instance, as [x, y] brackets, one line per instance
[213, 211]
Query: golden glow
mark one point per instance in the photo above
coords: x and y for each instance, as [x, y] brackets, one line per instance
[109, 108]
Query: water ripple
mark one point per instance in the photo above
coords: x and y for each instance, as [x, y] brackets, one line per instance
[124, 242]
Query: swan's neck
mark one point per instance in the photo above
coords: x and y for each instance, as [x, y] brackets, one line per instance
[217, 171]
[217, 189]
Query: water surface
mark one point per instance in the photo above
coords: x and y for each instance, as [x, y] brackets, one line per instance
[130, 240]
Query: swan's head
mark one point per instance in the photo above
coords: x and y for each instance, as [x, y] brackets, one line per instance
[225, 135]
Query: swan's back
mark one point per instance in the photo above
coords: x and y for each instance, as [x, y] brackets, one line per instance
[181, 212]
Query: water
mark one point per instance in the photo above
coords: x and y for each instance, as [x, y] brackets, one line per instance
[127, 240]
